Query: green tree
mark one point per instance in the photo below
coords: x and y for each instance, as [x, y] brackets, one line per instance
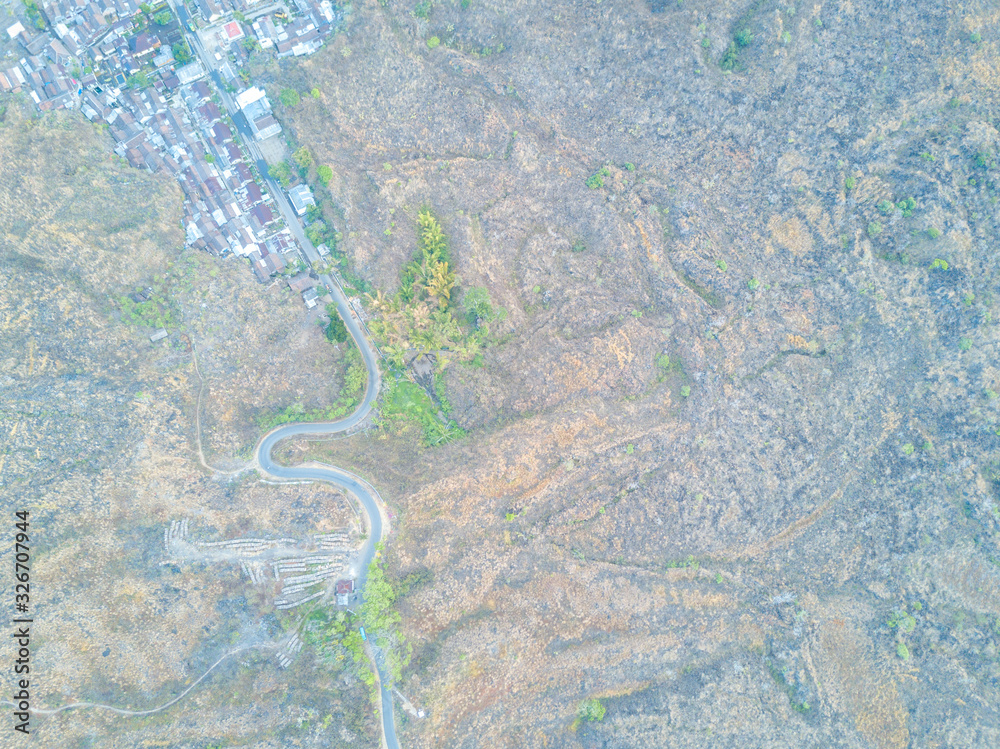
[138, 81]
[281, 172]
[181, 52]
[377, 611]
[335, 329]
[477, 306]
[303, 158]
[325, 174]
[163, 17]
[289, 97]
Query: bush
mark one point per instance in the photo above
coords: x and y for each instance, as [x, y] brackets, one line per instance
[939, 264]
[596, 180]
[743, 38]
[934, 233]
[874, 229]
[433, 42]
[906, 206]
[729, 58]
[289, 97]
[591, 709]
[886, 207]
[849, 183]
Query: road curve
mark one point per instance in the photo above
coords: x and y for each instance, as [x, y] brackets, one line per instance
[367, 495]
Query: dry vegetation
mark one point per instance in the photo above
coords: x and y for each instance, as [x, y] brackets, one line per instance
[730, 467]
[724, 547]
[98, 441]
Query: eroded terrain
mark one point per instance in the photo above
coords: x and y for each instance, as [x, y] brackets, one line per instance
[731, 464]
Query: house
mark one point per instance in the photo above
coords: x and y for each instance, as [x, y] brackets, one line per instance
[190, 72]
[143, 44]
[344, 590]
[230, 32]
[301, 197]
[262, 215]
[257, 110]
[265, 127]
[301, 282]
[221, 134]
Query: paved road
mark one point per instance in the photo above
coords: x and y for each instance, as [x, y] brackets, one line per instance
[346, 480]
[365, 492]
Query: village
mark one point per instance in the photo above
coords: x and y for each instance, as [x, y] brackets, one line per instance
[127, 66]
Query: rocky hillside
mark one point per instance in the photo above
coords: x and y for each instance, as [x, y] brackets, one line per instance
[732, 468]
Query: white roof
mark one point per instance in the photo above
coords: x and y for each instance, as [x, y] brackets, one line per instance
[14, 30]
[249, 96]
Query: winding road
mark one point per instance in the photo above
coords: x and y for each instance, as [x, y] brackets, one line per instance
[367, 495]
[372, 504]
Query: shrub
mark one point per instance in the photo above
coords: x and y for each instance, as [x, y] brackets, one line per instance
[596, 180]
[906, 206]
[591, 709]
[685, 391]
[325, 174]
[314, 93]
[886, 207]
[934, 233]
[903, 652]
[939, 264]
[743, 37]
[289, 97]
[874, 229]
[433, 42]
[849, 183]
[753, 284]
[729, 57]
